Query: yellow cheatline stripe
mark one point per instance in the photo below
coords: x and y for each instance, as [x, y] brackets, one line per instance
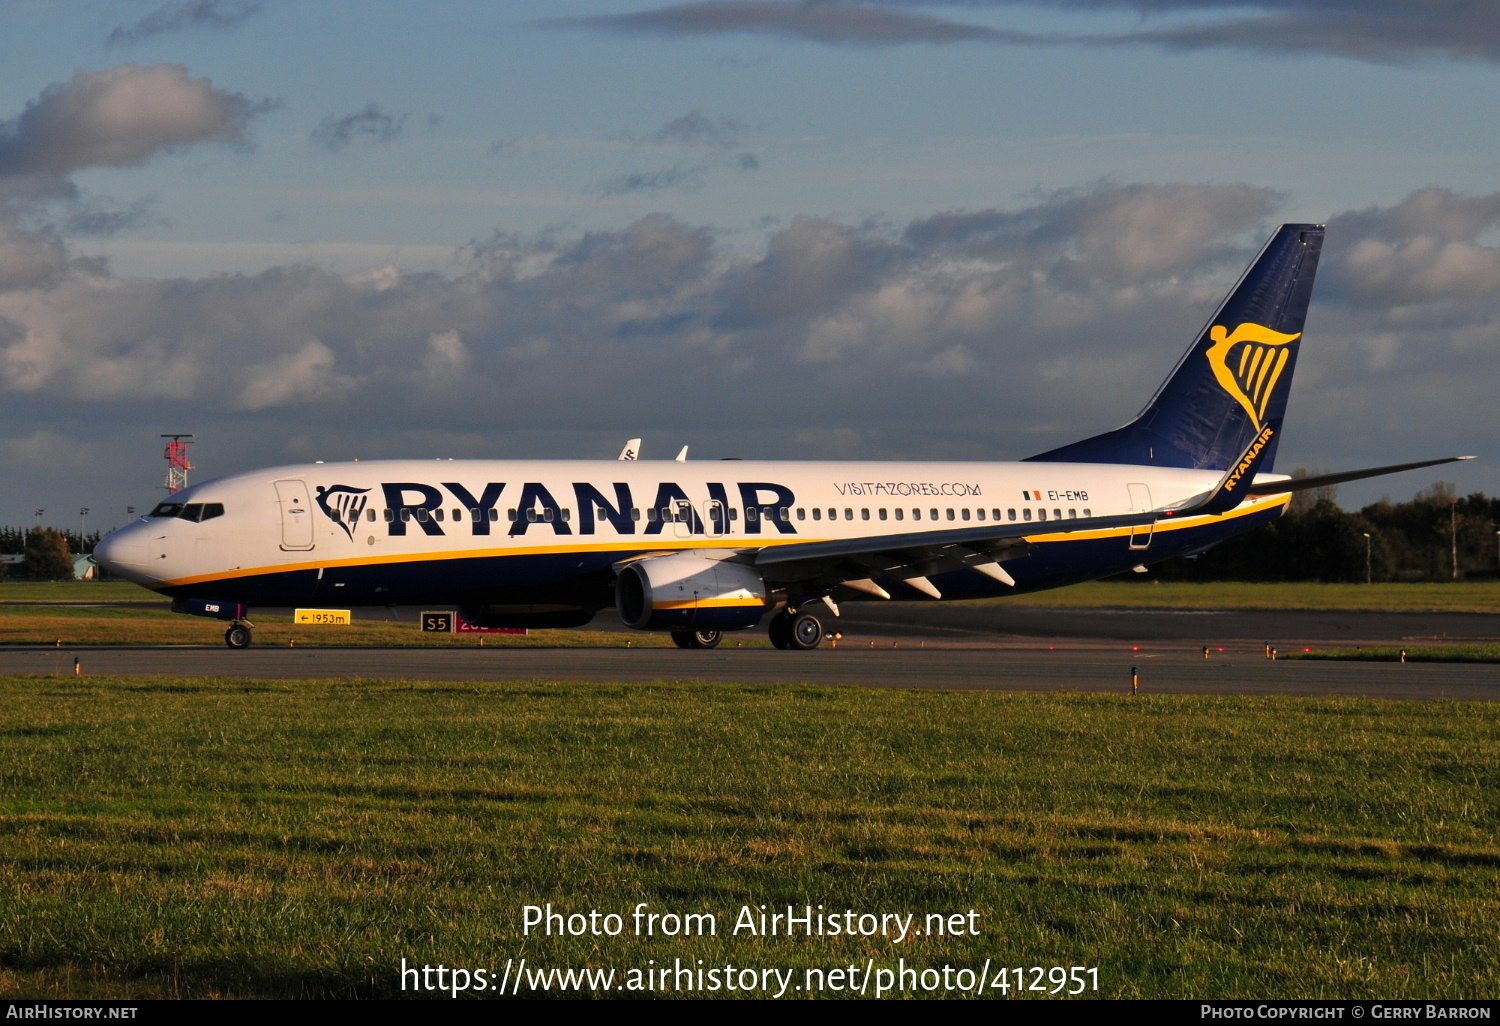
[722, 603]
[1165, 524]
[1168, 524]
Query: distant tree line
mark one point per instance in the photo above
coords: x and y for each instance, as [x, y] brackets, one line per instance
[1421, 540]
[48, 551]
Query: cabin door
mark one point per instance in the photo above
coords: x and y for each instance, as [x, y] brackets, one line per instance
[1140, 502]
[296, 516]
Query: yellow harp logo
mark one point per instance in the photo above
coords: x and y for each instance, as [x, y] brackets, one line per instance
[1248, 362]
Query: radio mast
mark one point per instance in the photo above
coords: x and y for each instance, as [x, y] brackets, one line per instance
[177, 463]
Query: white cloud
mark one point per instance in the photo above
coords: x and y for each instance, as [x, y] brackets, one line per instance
[119, 117]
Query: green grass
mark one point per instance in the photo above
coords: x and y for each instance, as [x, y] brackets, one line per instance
[1414, 654]
[243, 838]
[70, 625]
[75, 591]
[1457, 597]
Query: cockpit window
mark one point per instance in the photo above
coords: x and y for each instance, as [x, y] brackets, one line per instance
[197, 512]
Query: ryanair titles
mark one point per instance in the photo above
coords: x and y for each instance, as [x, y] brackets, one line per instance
[412, 506]
[1249, 459]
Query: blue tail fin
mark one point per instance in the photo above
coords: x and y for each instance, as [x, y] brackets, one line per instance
[1234, 380]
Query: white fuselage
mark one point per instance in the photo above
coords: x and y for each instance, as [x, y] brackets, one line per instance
[400, 531]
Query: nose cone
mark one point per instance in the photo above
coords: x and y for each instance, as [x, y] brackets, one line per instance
[123, 553]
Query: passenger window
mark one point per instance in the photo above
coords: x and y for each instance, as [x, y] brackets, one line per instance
[996, 514]
[900, 513]
[1057, 514]
[547, 515]
[390, 515]
[734, 514]
[371, 517]
[916, 514]
[437, 515]
[750, 514]
[1072, 514]
[567, 513]
[1087, 514]
[935, 515]
[458, 515]
[801, 513]
[405, 516]
[952, 515]
[1026, 514]
[1010, 515]
[511, 514]
[817, 512]
[635, 513]
[882, 514]
[848, 514]
[1041, 514]
[979, 513]
[864, 514]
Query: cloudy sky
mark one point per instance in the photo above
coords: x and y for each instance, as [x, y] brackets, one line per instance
[895, 229]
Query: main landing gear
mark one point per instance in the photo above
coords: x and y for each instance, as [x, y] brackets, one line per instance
[796, 631]
[239, 636]
[697, 639]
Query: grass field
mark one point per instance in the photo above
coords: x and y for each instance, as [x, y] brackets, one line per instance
[1414, 654]
[31, 592]
[239, 838]
[1456, 597]
[128, 625]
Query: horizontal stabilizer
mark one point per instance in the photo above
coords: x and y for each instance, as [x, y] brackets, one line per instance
[1301, 484]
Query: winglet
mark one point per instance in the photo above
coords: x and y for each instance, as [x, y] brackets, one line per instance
[632, 450]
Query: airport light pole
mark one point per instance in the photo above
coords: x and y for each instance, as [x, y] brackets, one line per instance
[39, 513]
[1453, 533]
[1368, 578]
[83, 529]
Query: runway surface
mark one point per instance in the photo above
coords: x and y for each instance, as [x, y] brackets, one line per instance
[965, 648]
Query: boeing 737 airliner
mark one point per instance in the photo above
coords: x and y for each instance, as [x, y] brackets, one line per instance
[698, 548]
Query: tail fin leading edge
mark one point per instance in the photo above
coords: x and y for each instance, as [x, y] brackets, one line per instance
[1235, 379]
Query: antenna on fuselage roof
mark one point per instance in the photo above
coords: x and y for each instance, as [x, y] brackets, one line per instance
[632, 450]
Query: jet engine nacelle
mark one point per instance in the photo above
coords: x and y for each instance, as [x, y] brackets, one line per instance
[689, 590]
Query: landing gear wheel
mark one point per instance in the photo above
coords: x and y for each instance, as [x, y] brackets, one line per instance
[697, 639]
[780, 630]
[807, 632]
[237, 637]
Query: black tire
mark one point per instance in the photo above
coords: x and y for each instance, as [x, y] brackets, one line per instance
[705, 639]
[682, 639]
[237, 637]
[806, 632]
[780, 630]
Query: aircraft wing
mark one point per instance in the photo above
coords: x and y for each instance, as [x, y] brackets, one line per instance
[912, 558]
